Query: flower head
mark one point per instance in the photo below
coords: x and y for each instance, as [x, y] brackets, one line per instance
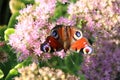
[32, 25]
[102, 24]
[33, 72]
[66, 21]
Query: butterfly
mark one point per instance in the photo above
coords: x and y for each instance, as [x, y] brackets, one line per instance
[67, 38]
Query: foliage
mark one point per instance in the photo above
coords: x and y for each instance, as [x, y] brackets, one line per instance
[8, 32]
[13, 20]
[1, 74]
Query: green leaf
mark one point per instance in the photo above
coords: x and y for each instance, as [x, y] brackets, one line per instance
[28, 1]
[61, 10]
[16, 5]
[91, 40]
[69, 64]
[11, 60]
[1, 74]
[73, 1]
[8, 32]
[14, 71]
[82, 77]
[13, 20]
[2, 29]
[81, 23]
[73, 62]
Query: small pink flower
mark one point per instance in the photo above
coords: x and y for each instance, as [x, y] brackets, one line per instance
[66, 21]
[60, 53]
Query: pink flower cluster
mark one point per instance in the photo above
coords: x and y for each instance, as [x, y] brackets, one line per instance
[32, 28]
[102, 18]
[105, 64]
[66, 21]
[96, 13]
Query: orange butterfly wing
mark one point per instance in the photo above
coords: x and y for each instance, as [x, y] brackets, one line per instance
[79, 44]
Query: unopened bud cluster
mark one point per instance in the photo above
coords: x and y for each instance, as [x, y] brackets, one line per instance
[33, 72]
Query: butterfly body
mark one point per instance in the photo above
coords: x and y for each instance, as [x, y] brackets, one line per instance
[64, 37]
